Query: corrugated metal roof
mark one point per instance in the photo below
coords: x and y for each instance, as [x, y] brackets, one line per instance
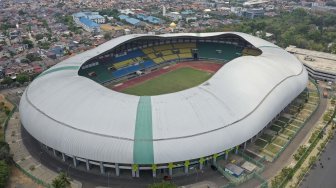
[88, 22]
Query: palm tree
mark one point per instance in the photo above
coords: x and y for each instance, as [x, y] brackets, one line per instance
[61, 181]
[56, 183]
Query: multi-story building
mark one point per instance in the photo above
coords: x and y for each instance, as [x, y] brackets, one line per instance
[320, 65]
[89, 20]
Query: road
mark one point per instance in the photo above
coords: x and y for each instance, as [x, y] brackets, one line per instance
[319, 176]
[287, 154]
[272, 169]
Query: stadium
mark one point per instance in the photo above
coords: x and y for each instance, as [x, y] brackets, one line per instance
[146, 102]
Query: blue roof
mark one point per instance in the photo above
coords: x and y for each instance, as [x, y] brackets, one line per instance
[122, 17]
[141, 16]
[88, 22]
[129, 20]
[132, 21]
[150, 19]
[153, 19]
[79, 14]
[95, 17]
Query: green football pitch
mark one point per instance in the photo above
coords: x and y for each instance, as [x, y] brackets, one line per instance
[176, 80]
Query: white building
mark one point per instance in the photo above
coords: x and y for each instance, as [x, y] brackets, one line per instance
[174, 16]
[320, 65]
[80, 119]
[93, 16]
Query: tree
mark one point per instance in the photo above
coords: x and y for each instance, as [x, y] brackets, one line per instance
[7, 81]
[33, 57]
[21, 12]
[57, 183]
[28, 42]
[4, 152]
[61, 181]
[22, 78]
[7, 111]
[25, 61]
[44, 45]
[107, 36]
[39, 36]
[4, 173]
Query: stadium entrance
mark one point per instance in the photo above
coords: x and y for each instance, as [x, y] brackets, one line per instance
[195, 56]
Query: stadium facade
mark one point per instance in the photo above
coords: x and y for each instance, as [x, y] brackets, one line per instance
[79, 119]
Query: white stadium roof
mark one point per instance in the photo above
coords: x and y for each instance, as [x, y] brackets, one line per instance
[82, 118]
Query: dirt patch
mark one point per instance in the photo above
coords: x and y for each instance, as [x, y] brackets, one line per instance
[19, 180]
[8, 104]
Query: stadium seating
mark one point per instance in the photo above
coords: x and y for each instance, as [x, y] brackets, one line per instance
[185, 45]
[152, 56]
[166, 52]
[225, 52]
[185, 56]
[158, 60]
[132, 69]
[101, 73]
[170, 57]
[163, 47]
[185, 50]
[148, 50]
[130, 62]
[251, 51]
[123, 63]
[129, 55]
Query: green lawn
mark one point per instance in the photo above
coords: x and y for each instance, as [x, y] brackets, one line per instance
[310, 107]
[275, 128]
[291, 127]
[288, 133]
[314, 94]
[284, 119]
[260, 143]
[279, 123]
[267, 137]
[273, 148]
[296, 123]
[170, 82]
[279, 141]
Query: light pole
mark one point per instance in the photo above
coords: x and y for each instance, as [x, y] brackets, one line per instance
[108, 179]
[68, 168]
[196, 174]
[40, 156]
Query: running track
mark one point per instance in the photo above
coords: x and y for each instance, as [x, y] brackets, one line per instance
[199, 65]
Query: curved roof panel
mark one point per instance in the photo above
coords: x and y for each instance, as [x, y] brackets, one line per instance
[79, 117]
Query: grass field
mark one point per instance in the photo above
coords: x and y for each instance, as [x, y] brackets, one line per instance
[275, 128]
[170, 82]
[260, 143]
[280, 142]
[267, 137]
[284, 119]
[273, 148]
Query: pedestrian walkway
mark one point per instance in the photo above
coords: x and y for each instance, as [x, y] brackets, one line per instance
[22, 157]
[297, 177]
